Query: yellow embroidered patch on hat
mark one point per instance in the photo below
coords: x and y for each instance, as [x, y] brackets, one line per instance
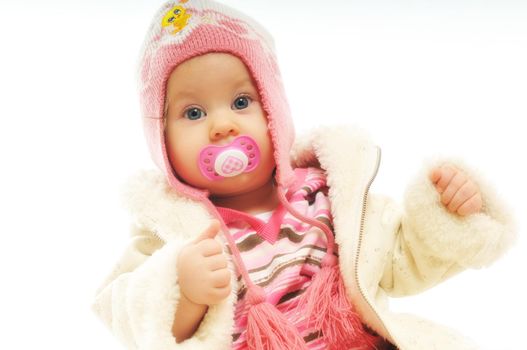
[177, 17]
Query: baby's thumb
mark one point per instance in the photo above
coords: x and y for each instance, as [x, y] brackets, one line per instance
[210, 232]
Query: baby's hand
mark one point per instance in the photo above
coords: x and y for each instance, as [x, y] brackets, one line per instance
[202, 268]
[458, 193]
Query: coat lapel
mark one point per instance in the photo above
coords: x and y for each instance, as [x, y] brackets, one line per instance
[350, 160]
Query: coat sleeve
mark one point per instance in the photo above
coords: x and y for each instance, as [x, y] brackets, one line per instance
[137, 301]
[432, 244]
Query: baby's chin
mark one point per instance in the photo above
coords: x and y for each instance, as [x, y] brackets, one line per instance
[231, 186]
[237, 185]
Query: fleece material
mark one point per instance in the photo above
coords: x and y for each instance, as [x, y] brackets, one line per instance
[385, 250]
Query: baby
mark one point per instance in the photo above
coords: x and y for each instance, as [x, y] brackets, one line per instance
[246, 241]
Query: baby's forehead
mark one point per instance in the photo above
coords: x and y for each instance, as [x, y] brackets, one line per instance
[187, 86]
[194, 86]
[209, 75]
[228, 67]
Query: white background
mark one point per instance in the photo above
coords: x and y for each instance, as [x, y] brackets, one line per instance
[423, 77]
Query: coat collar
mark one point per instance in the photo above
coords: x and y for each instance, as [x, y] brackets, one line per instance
[351, 161]
[345, 153]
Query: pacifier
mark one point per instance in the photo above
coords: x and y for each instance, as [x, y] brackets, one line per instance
[242, 155]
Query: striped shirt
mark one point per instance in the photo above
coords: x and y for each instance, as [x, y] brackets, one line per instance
[285, 268]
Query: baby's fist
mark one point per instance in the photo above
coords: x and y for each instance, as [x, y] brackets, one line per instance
[458, 192]
[204, 278]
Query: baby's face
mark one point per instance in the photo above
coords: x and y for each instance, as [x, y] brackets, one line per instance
[211, 99]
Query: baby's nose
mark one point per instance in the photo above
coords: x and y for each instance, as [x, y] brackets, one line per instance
[223, 129]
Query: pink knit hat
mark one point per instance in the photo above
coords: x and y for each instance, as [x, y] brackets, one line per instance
[184, 29]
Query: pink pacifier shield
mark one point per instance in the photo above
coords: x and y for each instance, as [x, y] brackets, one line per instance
[240, 156]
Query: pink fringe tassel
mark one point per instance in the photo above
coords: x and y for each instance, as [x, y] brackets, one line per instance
[327, 305]
[267, 328]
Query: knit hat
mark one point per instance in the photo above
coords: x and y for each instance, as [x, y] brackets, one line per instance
[184, 29]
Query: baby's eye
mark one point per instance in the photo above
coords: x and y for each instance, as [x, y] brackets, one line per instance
[241, 102]
[194, 113]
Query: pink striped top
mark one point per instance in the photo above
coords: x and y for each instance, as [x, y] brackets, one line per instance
[284, 268]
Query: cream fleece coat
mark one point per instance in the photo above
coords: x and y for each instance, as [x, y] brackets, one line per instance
[384, 250]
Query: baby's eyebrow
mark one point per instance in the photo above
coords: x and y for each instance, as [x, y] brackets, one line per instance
[183, 94]
[244, 82]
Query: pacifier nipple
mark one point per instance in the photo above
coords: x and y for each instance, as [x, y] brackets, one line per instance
[218, 162]
[230, 163]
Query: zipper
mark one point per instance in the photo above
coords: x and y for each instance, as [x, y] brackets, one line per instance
[359, 245]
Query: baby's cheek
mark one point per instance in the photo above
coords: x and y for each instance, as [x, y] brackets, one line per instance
[266, 147]
[183, 160]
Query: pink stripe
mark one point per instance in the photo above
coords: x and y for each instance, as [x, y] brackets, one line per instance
[294, 223]
[275, 291]
[302, 231]
[257, 257]
[242, 233]
[297, 197]
[322, 212]
[280, 289]
[283, 284]
[307, 234]
[275, 287]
